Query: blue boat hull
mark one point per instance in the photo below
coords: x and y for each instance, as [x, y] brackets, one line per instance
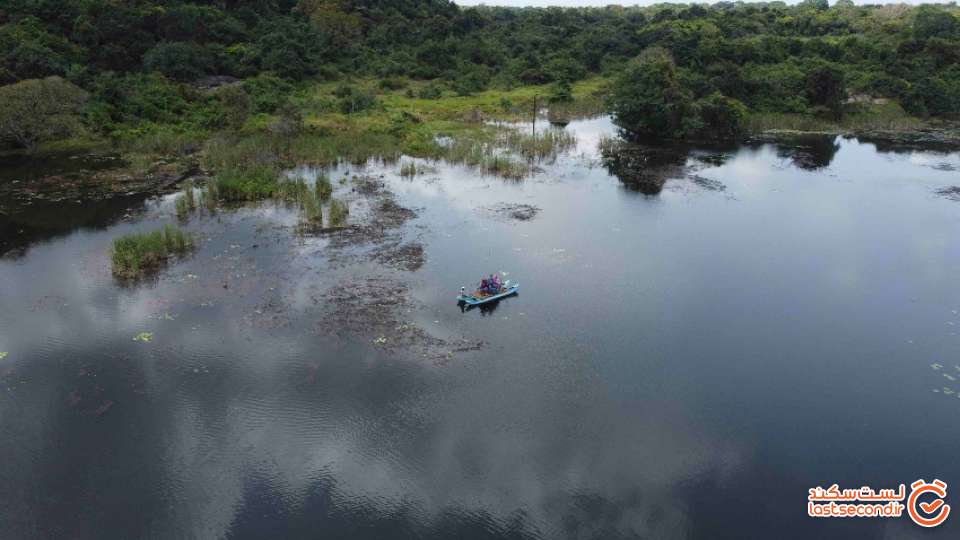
[474, 301]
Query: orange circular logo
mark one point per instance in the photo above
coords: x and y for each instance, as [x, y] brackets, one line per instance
[936, 509]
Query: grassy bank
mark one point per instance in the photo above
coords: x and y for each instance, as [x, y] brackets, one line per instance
[887, 117]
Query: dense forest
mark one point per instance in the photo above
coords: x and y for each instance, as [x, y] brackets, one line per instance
[676, 69]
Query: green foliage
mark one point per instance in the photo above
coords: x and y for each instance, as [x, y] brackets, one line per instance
[180, 61]
[648, 99]
[236, 104]
[720, 117]
[137, 59]
[38, 110]
[354, 99]
[267, 92]
[392, 83]
[826, 88]
[562, 92]
[430, 91]
[134, 254]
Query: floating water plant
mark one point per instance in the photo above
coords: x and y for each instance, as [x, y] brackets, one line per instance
[145, 337]
[338, 213]
[3, 354]
[134, 254]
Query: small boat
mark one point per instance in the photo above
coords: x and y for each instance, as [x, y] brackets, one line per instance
[475, 299]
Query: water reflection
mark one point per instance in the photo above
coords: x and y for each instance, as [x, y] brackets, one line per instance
[23, 224]
[809, 153]
[643, 386]
[642, 167]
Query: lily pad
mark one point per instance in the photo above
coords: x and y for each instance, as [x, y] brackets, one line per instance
[145, 337]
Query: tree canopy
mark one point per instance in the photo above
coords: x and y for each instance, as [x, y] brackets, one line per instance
[768, 56]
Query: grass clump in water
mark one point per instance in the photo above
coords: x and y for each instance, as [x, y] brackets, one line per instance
[291, 190]
[311, 212]
[323, 188]
[544, 145]
[408, 169]
[338, 213]
[252, 184]
[134, 254]
[185, 203]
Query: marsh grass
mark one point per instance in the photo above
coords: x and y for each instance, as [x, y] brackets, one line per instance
[253, 184]
[505, 166]
[338, 213]
[291, 190]
[547, 144]
[210, 196]
[185, 202]
[408, 169]
[134, 254]
[312, 213]
[489, 153]
[881, 117]
[323, 188]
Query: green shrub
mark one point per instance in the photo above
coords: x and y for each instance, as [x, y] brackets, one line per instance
[430, 91]
[353, 99]
[392, 83]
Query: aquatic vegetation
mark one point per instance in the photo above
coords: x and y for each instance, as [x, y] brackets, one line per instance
[256, 183]
[323, 188]
[145, 337]
[136, 253]
[210, 196]
[185, 203]
[291, 190]
[310, 206]
[538, 146]
[338, 213]
[229, 152]
[408, 169]
[504, 166]
[3, 354]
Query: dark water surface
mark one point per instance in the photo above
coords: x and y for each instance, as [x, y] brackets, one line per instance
[678, 365]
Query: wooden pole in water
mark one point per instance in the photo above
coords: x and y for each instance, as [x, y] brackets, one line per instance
[534, 131]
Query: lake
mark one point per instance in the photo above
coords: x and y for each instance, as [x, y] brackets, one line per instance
[682, 361]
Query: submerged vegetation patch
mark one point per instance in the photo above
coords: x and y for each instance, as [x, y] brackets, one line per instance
[513, 211]
[952, 193]
[134, 254]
